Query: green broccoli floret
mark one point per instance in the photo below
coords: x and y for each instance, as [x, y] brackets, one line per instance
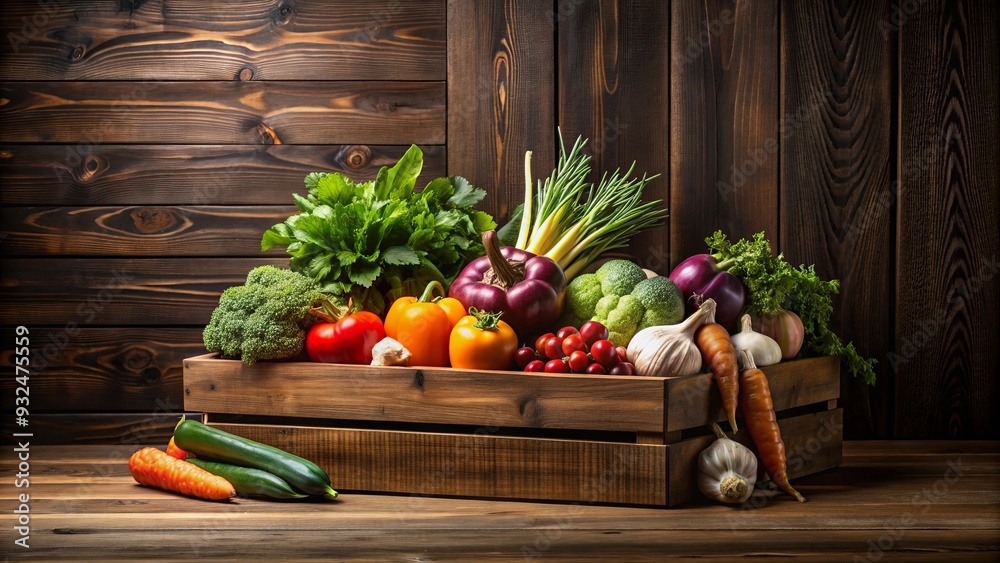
[582, 295]
[662, 300]
[264, 319]
[621, 316]
[619, 277]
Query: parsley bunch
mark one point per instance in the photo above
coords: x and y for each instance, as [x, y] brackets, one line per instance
[773, 284]
[376, 241]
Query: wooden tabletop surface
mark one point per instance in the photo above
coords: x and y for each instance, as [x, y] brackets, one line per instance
[891, 501]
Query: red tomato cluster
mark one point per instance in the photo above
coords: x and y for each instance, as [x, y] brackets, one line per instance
[586, 350]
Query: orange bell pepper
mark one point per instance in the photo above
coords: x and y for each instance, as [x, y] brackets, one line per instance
[423, 326]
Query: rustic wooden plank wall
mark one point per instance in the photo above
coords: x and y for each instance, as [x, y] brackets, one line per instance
[144, 145]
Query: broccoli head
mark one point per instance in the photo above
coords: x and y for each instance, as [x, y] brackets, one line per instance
[621, 315]
[264, 319]
[582, 295]
[620, 297]
[619, 277]
[662, 300]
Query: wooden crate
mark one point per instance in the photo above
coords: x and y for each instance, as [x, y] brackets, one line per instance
[437, 431]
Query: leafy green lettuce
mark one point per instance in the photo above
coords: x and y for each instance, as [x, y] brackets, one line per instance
[379, 240]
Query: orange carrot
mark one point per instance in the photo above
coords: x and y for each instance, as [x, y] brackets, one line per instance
[718, 352]
[153, 468]
[174, 451]
[758, 411]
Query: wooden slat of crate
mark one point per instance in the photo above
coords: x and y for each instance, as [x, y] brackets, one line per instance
[481, 465]
[475, 465]
[813, 443]
[425, 395]
[693, 402]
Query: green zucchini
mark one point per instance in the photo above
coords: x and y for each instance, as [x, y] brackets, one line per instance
[249, 481]
[217, 445]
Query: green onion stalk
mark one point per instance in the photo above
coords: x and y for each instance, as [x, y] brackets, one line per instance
[572, 221]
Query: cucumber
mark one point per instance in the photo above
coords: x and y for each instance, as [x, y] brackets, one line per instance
[217, 445]
[249, 481]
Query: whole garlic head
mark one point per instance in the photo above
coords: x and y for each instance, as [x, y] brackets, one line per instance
[727, 470]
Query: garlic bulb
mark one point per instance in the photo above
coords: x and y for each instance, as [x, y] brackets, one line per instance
[670, 350]
[727, 470]
[766, 352]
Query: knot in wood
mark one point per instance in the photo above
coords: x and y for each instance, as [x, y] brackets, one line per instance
[77, 53]
[245, 74]
[284, 13]
[267, 135]
[91, 166]
[151, 220]
[137, 360]
[357, 157]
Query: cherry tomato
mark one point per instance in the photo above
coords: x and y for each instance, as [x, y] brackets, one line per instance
[622, 353]
[595, 369]
[535, 365]
[566, 331]
[553, 348]
[578, 360]
[631, 368]
[347, 341]
[620, 368]
[556, 366]
[524, 356]
[573, 343]
[603, 352]
[592, 331]
[541, 340]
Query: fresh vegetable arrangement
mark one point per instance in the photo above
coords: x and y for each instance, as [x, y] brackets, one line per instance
[774, 286]
[382, 274]
[377, 241]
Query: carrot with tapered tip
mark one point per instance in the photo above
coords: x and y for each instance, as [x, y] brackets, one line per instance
[718, 352]
[758, 412]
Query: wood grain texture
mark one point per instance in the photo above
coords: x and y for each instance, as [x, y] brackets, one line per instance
[475, 465]
[191, 40]
[92, 113]
[186, 174]
[139, 231]
[155, 426]
[128, 291]
[426, 395]
[501, 96]
[614, 64]
[83, 498]
[725, 130]
[694, 401]
[836, 196]
[102, 369]
[946, 355]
